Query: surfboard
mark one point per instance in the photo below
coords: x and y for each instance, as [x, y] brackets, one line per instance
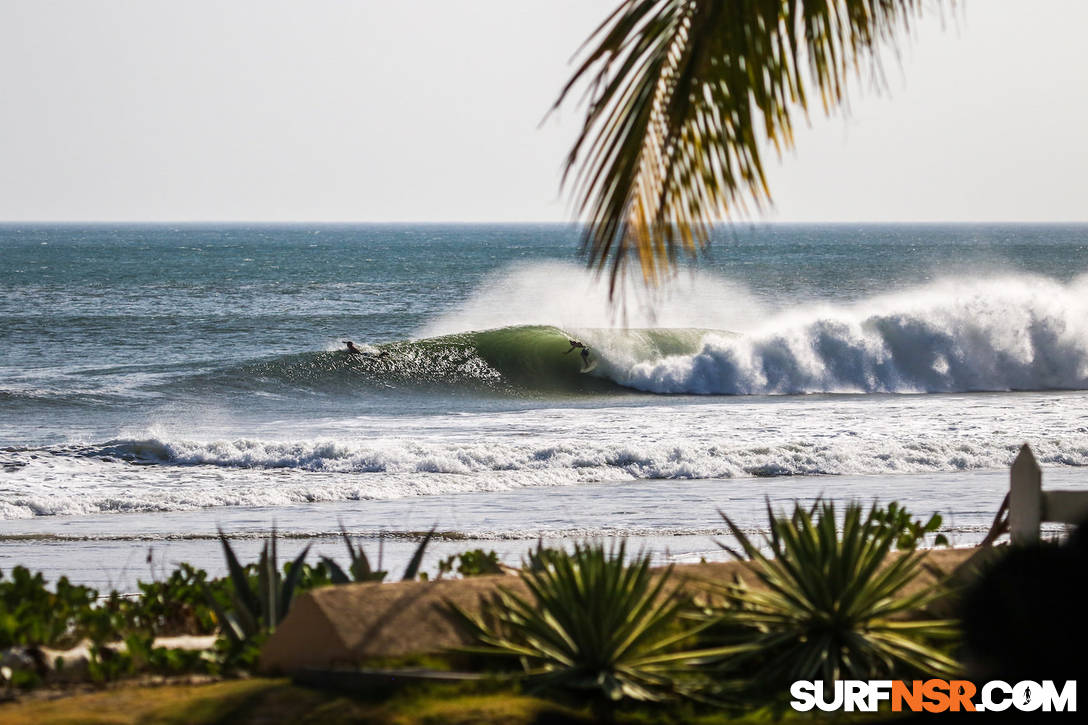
[590, 366]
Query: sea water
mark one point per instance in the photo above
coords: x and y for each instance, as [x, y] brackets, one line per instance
[157, 382]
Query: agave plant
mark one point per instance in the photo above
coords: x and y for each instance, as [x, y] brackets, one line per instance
[360, 570]
[257, 610]
[595, 623]
[834, 605]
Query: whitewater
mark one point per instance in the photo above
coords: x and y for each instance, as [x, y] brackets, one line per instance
[157, 382]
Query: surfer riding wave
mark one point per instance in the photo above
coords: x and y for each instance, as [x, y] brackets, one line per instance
[574, 345]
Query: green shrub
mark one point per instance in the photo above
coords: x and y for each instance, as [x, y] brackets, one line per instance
[910, 532]
[31, 614]
[475, 562]
[245, 606]
[257, 607]
[360, 570]
[834, 605]
[595, 624]
[142, 656]
[176, 605]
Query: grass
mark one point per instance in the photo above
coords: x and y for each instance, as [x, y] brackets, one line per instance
[277, 700]
[168, 704]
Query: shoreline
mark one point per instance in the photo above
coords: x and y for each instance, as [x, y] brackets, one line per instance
[675, 520]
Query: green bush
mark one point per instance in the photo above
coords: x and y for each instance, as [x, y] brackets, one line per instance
[595, 624]
[176, 605]
[833, 605]
[910, 532]
[475, 562]
[31, 614]
[245, 606]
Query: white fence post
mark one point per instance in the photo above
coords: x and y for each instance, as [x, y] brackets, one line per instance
[1025, 498]
[1029, 505]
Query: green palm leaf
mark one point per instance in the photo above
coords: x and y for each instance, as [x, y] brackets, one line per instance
[682, 96]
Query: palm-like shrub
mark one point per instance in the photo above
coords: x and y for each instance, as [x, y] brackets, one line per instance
[360, 570]
[595, 623]
[258, 607]
[834, 604]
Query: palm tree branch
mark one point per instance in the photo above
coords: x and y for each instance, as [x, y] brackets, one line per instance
[683, 95]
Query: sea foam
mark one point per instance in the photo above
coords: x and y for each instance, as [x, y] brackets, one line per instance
[1016, 333]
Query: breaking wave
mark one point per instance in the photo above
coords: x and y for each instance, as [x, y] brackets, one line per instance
[167, 474]
[1017, 333]
[511, 359]
[954, 336]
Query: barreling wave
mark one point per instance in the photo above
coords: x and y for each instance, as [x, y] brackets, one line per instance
[957, 336]
[520, 358]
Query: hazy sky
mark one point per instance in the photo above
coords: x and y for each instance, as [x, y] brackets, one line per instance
[429, 110]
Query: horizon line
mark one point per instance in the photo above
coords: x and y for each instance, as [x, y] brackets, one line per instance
[297, 222]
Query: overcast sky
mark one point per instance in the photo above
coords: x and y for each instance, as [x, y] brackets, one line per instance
[429, 110]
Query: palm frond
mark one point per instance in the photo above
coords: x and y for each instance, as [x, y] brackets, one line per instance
[682, 97]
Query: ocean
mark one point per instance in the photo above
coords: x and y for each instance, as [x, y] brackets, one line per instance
[158, 382]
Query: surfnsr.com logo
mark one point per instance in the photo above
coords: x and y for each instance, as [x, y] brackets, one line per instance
[934, 696]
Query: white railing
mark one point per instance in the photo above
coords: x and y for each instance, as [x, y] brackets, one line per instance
[1027, 505]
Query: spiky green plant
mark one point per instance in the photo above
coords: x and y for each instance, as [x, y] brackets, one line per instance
[684, 96]
[594, 623]
[259, 609]
[834, 604]
[360, 570]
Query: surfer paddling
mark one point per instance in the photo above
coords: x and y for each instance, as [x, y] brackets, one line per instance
[352, 350]
[574, 345]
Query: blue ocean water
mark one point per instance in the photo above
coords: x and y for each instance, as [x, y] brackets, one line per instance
[174, 368]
